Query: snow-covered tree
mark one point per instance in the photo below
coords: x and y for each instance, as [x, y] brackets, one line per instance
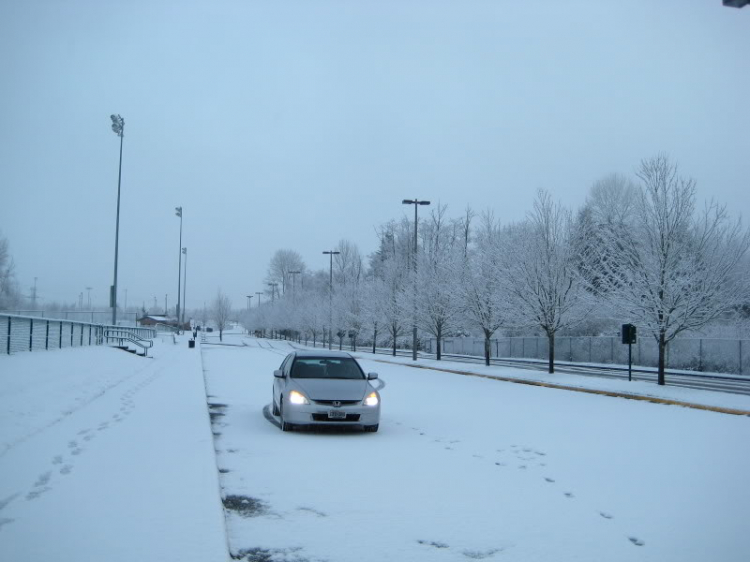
[221, 311]
[10, 295]
[433, 293]
[668, 270]
[481, 290]
[539, 271]
[282, 263]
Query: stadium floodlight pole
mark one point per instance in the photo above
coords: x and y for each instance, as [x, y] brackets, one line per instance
[415, 202]
[248, 300]
[330, 297]
[118, 126]
[184, 287]
[178, 212]
[273, 291]
[259, 295]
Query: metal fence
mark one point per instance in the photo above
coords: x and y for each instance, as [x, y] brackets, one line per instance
[696, 354]
[27, 333]
[90, 316]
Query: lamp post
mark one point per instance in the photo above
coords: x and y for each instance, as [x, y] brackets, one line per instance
[184, 287]
[330, 297]
[415, 202]
[248, 301]
[118, 126]
[178, 212]
[259, 294]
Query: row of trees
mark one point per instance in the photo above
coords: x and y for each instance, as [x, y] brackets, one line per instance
[638, 252]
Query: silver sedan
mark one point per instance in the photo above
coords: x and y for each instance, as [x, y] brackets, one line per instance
[324, 388]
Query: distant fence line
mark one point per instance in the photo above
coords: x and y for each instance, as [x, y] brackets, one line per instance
[90, 316]
[28, 333]
[714, 355]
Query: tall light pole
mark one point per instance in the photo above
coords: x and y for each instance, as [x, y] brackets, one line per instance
[184, 287]
[416, 202]
[88, 291]
[259, 294]
[178, 212]
[118, 126]
[248, 301]
[273, 291]
[330, 296]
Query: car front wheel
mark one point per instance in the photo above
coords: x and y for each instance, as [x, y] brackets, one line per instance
[372, 428]
[284, 425]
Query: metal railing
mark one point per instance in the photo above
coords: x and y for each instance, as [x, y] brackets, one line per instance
[24, 333]
[121, 335]
[28, 333]
[89, 316]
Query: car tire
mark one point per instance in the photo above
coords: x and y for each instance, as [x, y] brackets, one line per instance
[284, 425]
[372, 428]
[274, 407]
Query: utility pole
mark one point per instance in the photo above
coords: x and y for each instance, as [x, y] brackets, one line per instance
[330, 296]
[415, 202]
[88, 291]
[178, 212]
[118, 126]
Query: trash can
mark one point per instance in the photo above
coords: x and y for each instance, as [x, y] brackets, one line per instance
[191, 344]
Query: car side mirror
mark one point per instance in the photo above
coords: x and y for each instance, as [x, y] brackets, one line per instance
[278, 373]
[372, 376]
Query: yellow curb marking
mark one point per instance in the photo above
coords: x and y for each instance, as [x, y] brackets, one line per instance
[652, 399]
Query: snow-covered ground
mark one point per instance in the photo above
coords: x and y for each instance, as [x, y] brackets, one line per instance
[107, 456]
[471, 468]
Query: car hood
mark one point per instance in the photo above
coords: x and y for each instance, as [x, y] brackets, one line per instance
[333, 389]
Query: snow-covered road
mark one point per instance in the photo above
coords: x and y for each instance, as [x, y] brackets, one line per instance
[468, 468]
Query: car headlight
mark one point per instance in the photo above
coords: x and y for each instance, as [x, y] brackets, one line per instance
[297, 398]
[372, 399]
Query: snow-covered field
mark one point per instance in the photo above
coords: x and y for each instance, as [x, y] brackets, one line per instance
[107, 456]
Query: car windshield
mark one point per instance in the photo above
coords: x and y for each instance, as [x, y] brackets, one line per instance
[326, 368]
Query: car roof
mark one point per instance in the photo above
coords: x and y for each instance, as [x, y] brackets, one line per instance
[302, 353]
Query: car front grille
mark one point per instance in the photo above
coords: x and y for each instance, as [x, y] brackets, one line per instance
[325, 418]
[341, 402]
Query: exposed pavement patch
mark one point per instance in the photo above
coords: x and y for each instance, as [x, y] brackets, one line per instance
[245, 506]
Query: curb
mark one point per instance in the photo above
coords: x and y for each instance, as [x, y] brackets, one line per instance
[641, 398]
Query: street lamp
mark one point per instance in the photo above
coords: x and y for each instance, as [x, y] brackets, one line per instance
[259, 295]
[330, 297]
[273, 291]
[415, 202]
[118, 126]
[178, 212]
[184, 287]
[248, 301]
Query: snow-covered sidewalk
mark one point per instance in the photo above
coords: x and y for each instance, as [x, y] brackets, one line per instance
[108, 456]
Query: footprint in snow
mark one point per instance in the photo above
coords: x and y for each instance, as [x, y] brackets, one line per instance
[66, 469]
[606, 515]
[72, 444]
[57, 460]
[76, 452]
[569, 495]
[549, 479]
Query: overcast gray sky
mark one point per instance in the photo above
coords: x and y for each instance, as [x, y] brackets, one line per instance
[294, 124]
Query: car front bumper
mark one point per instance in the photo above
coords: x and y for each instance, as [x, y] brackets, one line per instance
[317, 414]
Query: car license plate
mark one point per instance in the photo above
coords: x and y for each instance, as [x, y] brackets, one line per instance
[336, 414]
